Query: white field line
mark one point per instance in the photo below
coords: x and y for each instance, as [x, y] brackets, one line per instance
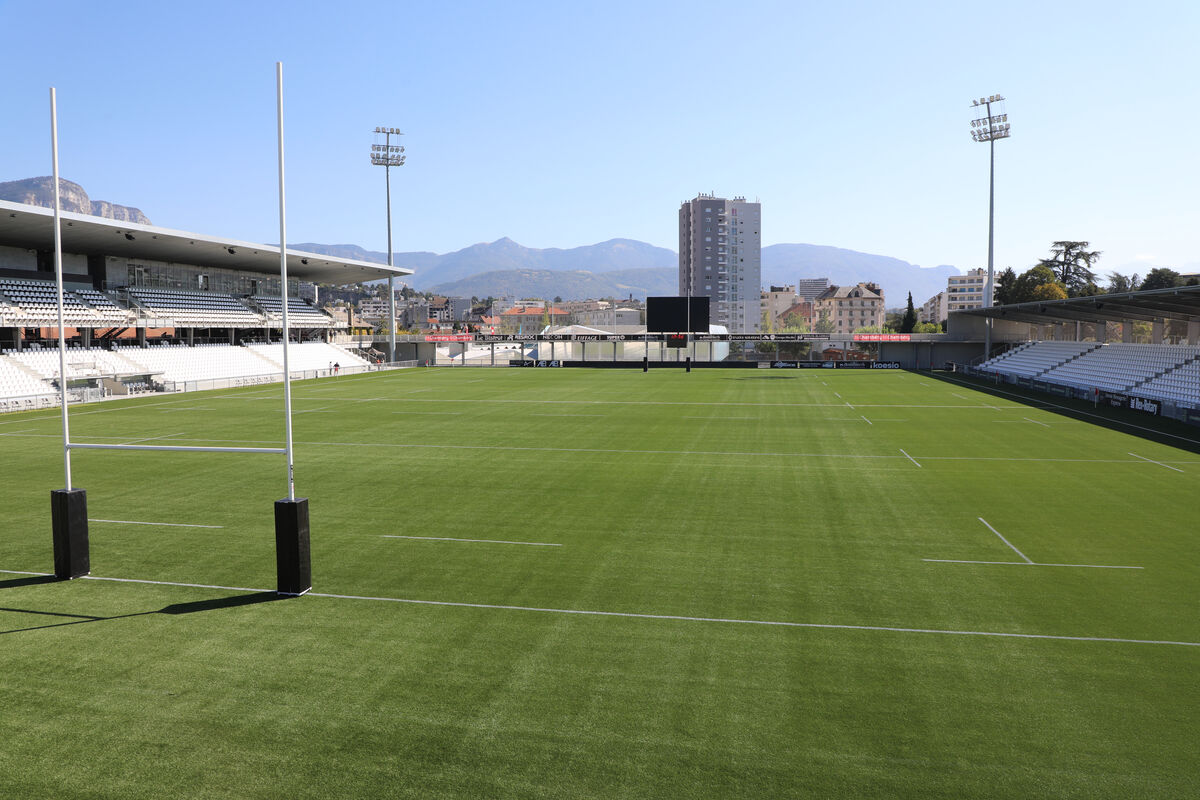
[1025, 564]
[864, 419]
[1043, 404]
[838, 396]
[483, 541]
[850, 406]
[1152, 461]
[158, 524]
[910, 458]
[153, 438]
[661, 617]
[960, 396]
[1027, 559]
[568, 415]
[1016, 459]
[442, 413]
[720, 419]
[1035, 422]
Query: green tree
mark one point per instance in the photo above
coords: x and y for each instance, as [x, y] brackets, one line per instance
[1027, 282]
[910, 317]
[1005, 282]
[1119, 284]
[1160, 278]
[824, 323]
[1049, 291]
[1072, 263]
[927, 327]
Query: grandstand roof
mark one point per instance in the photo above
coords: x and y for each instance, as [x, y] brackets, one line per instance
[33, 227]
[1181, 303]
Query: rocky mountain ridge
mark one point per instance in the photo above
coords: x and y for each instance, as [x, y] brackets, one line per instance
[72, 197]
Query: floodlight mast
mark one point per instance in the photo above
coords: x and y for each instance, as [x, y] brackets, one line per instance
[388, 155]
[989, 128]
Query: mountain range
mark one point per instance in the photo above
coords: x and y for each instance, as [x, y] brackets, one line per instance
[623, 267]
[615, 268]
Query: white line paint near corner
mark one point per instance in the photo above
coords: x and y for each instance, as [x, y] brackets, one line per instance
[1027, 564]
[1035, 422]
[864, 419]
[910, 458]
[1028, 560]
[1152, 461]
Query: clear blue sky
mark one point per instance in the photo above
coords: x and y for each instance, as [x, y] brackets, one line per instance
[567, 123]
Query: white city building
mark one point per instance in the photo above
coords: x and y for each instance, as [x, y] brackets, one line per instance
[720, 257]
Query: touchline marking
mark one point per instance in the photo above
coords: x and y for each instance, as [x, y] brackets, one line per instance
[1035, 422]
[864, 419]
[1028, 560]
[1026, 564]
[910, 458]
[664, 617]
[1152, 461]
[163, 524]
[1044, 404]
[451, 539]
[443, 413]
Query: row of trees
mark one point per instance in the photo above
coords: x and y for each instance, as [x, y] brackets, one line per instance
[1069, 272]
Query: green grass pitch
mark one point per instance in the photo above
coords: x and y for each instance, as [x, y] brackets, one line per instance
[779, 576]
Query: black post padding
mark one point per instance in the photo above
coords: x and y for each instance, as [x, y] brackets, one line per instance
[68, 513]
[689, 363]
[645, 363]
[291, 547]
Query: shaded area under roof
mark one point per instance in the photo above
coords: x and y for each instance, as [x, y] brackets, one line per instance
[32, 227]
[1180, 303]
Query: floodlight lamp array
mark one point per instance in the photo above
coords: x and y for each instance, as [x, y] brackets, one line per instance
[393, 131]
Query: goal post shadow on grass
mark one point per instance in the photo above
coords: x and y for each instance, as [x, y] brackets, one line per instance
[68, 506]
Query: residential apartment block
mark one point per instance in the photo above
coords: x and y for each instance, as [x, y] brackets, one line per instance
[850, 307]
[720, 256]
[810, 288]
[966, 291]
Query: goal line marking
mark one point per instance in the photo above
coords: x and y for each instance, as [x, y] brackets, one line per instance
[161, 524]
[452, 539]
[663, 617]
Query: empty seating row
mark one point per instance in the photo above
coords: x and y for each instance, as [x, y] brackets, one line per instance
[309, 356]
[196, 308]
[1034, 359]
[300, 312]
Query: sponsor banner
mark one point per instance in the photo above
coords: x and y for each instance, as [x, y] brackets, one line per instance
[1145, 406]
[785, 365]
[764, 337]
[852, 364]
[882, 337]
[450, 337]
[885, 365]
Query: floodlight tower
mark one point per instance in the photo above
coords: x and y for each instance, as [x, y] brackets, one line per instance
[388, 155]
[989, 128]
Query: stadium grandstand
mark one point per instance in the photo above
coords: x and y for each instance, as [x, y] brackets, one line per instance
[1138, 350]
[153, 309]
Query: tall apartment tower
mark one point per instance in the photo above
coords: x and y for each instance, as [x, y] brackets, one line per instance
[720, 256]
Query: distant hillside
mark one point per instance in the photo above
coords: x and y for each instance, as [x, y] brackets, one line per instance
[72, 197]
[505, 254]
[569, 284]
